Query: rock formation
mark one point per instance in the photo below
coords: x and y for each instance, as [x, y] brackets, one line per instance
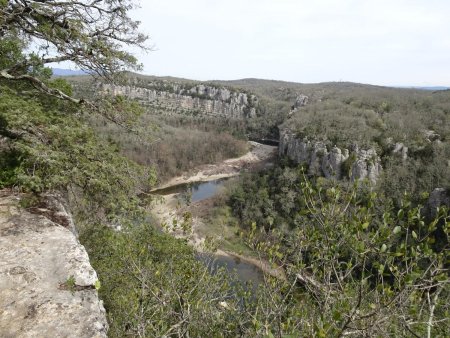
[439, 197]
[358, 164]
[401, 149]
[195, 99]
[300, 101]
[47, 285]
[366, 165]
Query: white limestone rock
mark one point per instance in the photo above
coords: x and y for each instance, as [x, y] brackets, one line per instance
[332, 163]
[300, 101]
[326, 163]
[401, 149]
[367, 165]
[208, 100]
[38, 255]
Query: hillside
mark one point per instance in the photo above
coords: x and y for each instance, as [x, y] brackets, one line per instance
[385, 123]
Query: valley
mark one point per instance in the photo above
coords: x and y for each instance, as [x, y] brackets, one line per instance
[183, 212]
[135, 205]
[194, 195]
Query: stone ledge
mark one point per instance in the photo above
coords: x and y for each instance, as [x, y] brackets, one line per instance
[37, 256]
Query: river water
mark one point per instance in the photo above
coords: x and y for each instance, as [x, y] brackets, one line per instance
[198, 191]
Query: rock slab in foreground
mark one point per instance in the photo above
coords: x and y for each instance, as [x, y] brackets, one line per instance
[37, 257]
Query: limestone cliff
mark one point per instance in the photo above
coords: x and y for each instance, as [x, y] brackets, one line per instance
[334, 163]
[188, 99]
[47, 285]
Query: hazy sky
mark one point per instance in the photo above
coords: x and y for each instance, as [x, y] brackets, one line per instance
[386, 42]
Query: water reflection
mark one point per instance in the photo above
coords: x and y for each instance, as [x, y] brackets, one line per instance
[246, 273]
[196, 191]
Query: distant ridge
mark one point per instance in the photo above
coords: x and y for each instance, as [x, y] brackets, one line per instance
[432, 88]
[253, 82]
[67, 72]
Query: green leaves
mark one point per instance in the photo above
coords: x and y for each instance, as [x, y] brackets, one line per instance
[56, 150]
[357, 246]
[151, 278]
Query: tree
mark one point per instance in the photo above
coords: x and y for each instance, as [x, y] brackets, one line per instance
[93, 34]
[364, 267]
[45, 140]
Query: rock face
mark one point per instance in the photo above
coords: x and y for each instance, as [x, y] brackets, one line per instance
[46, 280]
[438, 197]
[300, 101]
[366, 165]
[402, 150]
[359, 164]
[197, 99]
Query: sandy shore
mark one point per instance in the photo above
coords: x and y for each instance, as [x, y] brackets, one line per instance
[258, 155]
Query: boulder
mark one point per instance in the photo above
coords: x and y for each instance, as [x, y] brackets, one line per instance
[401, 149]
[300, 101]
[367, 165]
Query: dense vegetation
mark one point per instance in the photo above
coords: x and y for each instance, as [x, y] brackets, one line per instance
[172, 149]
[373, 269]
[354, 266]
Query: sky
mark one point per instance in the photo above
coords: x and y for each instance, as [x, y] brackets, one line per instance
[382, 42]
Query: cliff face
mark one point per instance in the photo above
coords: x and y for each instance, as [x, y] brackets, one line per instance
[335, 163]
[47, 285]
[197, 99]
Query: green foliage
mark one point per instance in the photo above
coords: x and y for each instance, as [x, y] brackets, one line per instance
[370, 268]
[172, 150]
[70, 283]
[9, 163]
[91, 35]
[153, 285]
[46, 143]
[47, 149]
[268, 198]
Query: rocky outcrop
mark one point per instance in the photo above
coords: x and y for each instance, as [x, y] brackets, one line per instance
[431, 135]
[400, 149]
[196, 99]
[300, 101]
[366, 165]
[335, 163]
[47, 285]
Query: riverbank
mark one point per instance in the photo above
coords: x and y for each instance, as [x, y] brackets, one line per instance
[263, 265]
[258, 157]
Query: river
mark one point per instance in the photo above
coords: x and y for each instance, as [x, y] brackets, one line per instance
[198, 191]
[203, 184]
